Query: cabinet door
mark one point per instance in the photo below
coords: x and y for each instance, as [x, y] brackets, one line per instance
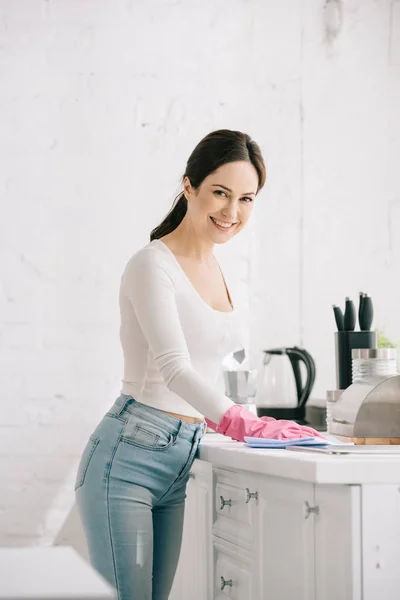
[194, 573]
[338, 542]
[285, 539]
[381, 541]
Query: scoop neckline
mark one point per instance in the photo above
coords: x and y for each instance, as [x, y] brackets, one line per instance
[214, 310]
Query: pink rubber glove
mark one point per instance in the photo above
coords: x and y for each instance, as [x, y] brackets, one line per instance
[238, 422]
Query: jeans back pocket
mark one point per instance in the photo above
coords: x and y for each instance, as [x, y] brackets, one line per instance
[85, 460]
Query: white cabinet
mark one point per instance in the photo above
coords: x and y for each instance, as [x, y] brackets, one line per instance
[338, 547]
[272, 538]
[309, 540]
[285, 539]
[267, 537]
[194, 574]
[381, 541]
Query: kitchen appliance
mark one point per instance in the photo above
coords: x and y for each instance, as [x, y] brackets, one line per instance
[240, 378]
[281, 391]
[368, 411]
[240, 386]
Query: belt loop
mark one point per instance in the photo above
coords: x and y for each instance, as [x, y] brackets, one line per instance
[200, 431]
[179, 430]
[123, 402]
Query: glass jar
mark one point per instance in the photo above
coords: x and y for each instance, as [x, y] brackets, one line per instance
[370, 362]
[332, 396]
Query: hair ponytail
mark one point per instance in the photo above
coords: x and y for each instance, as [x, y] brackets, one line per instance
[212, 152]
[173, 218]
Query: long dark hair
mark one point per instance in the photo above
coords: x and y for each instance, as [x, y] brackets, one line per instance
[213, 151]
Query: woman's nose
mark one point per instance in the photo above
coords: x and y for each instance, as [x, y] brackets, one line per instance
[230, 211]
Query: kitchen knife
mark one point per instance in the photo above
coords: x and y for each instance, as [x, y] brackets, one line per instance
[360, 308]
[349, 315]
[367, 314]
[338, 317]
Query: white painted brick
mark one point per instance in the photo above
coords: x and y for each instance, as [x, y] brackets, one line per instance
[100, 104]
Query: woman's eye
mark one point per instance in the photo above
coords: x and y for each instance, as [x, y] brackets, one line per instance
[247, 199]
[220, 192]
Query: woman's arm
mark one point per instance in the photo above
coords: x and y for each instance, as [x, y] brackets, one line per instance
[150, 289]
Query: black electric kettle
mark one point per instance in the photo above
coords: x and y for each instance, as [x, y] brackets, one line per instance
[281, 392]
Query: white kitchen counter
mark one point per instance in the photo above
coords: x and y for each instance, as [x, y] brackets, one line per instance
[280, 524]
[310, 467]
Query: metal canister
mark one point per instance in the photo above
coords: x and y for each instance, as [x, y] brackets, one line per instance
[332, 396]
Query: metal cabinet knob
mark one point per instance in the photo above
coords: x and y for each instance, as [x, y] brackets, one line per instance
[226, 583]
[224, 502]
[310, 509]
[250, 495]
[192, 475]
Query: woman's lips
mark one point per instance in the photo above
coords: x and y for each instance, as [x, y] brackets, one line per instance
[218, 224]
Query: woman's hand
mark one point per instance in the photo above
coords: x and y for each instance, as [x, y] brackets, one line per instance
[238, 422]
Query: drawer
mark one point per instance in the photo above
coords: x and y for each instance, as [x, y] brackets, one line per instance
[235, 505]
[232, 573]
[230, 503]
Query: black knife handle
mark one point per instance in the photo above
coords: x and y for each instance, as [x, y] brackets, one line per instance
[349, 315]
[338, 317]
[360, 309]
[367, 314]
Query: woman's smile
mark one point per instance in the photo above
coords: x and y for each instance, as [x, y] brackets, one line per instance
[223, 225]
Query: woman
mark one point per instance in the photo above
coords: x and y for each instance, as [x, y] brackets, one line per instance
[177, 324]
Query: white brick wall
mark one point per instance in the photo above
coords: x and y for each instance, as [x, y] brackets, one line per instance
[100, 104]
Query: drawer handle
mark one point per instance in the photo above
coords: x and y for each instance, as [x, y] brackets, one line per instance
[308, 509]
[226, 583]
[224, 502]
[250, 495]
[192, 475]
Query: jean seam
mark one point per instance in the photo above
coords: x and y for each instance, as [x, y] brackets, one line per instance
[149, 448]
[181, 474]
[148, 421]
[79, 483]
[109, 463]
[108, 511]
[117, 417]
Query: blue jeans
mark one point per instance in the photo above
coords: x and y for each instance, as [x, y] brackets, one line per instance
[130, 490]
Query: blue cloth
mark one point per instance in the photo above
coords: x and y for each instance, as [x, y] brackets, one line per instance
[270, 443]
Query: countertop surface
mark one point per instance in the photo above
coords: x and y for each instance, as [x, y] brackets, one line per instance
[304, 466]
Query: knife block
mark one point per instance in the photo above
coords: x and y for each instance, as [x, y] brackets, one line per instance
[345, 342]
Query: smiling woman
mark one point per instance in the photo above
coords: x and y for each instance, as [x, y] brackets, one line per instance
[220, 166]
[177, 324]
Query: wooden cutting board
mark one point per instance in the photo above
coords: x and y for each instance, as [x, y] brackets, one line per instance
[370, 441]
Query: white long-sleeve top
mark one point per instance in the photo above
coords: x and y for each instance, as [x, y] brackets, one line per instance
[173, 341]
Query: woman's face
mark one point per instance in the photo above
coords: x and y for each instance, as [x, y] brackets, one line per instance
[222, 204]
